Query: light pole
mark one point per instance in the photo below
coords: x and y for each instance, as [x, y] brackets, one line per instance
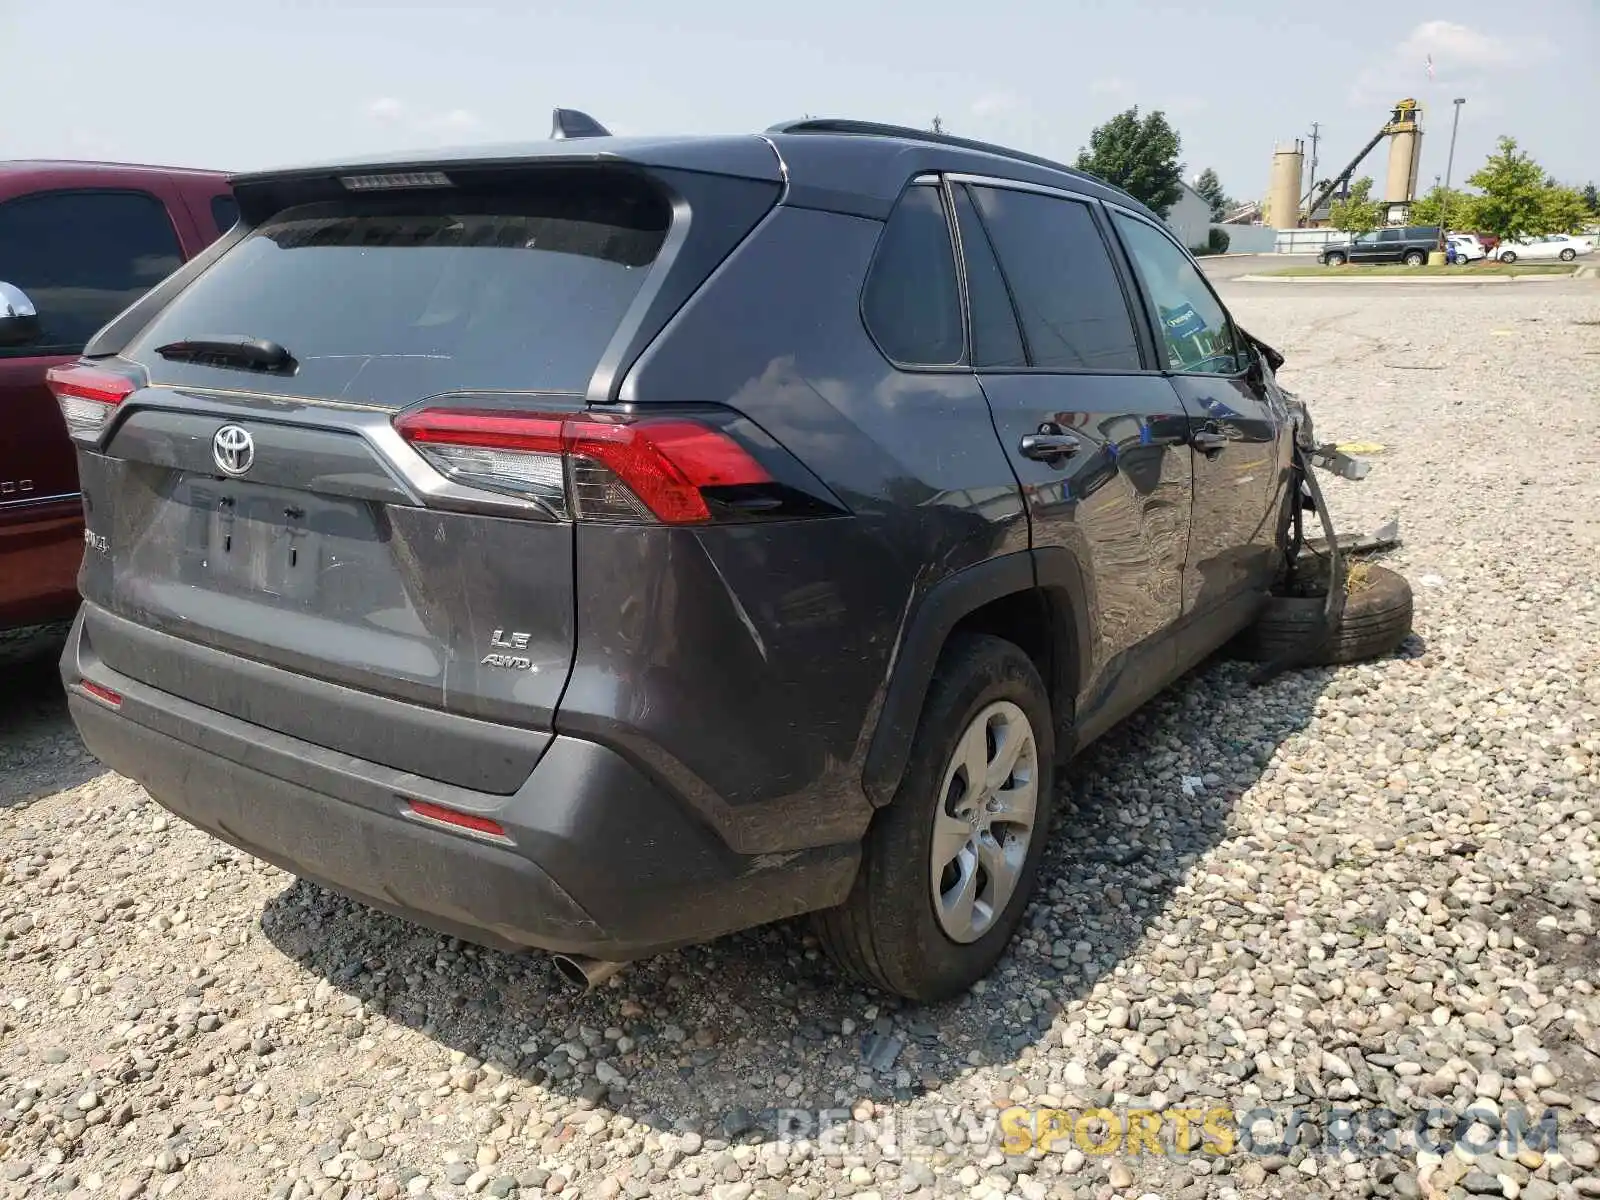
[1449, 165]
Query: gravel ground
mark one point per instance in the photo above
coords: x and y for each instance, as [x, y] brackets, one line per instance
[1380, 893]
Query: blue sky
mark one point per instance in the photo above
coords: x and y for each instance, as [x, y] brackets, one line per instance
[267, 82]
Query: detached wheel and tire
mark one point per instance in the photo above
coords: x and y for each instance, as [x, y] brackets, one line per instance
[949, 864]
[1375, 620]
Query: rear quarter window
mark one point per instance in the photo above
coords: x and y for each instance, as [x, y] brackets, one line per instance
[389, 297]
[912, 302]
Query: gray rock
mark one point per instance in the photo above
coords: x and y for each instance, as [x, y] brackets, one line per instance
[737, 1120]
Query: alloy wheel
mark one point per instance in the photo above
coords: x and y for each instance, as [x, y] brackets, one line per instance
[985, 821]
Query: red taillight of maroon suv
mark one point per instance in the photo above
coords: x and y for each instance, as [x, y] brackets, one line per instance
[88, 396]
[648, 469]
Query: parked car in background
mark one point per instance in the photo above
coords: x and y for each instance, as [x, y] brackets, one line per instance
[79, 242]
[1547, 247]
[1575, 239]
[1409, 244]
[1467, 247]
[614, 542]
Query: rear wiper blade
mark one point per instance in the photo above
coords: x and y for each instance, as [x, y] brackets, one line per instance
[231, 350]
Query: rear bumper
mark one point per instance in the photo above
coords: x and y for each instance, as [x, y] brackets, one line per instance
[597, 859]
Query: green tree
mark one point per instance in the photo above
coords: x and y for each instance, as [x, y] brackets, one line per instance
[1445, 206]
[1513, 188]
[1591, 200]
[1562, 210]
[1358, 212]
[1138, 156]
[1210, 190]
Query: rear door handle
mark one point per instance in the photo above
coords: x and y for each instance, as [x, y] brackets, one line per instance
[1049, 447]
[1209, 441]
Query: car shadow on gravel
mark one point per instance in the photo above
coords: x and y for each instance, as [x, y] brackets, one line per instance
[40, 752]
[719, 1038]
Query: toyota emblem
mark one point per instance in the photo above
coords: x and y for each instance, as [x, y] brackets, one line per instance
[233, 449]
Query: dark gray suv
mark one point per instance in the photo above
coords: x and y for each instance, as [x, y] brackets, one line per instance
[606, 544]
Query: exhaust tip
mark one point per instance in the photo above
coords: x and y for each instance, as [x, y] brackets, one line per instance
[585, 973]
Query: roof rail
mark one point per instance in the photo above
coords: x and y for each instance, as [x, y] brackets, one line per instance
[879, 129]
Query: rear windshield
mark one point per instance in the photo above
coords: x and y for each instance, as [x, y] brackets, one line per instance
[389, 297]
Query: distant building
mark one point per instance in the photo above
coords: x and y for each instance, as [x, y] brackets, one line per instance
[1190, 218]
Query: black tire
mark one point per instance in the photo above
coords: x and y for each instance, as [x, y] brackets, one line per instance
[1415, 258]
[1568, 254]
[1333, 260]
[886, 932]
[1508, 256]
[1376, 619]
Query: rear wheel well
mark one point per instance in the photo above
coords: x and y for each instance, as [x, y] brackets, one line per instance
[1029, 621]
[1031, 599]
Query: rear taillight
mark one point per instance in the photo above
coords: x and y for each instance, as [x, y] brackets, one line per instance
[591, 466]
[88, 395]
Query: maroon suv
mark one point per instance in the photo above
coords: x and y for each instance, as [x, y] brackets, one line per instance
[79, 242]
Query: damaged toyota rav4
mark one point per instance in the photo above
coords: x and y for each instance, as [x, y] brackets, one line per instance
[602, 545]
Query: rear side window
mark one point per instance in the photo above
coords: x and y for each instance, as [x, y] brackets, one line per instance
[1197, 336]
[996, 340]
[1074, 315]
[912, 302]
[389, 297]
[82, 257]
[224, 213]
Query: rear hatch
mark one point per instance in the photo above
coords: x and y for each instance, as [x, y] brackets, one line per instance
[263, 540]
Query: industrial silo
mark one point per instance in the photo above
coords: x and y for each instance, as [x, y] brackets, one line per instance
[1283, 186]
[1405, 153]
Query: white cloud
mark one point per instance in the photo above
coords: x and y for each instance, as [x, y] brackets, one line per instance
[1113, 85]
[394, 113]
[1456, 47]
[1461, 56]
[386, 109]
[457, 120]
[995, 104]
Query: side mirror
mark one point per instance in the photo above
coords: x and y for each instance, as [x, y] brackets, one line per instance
[1262, 352]
[19, 320]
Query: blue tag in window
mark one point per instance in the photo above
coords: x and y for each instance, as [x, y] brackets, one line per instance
[1182, 322]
